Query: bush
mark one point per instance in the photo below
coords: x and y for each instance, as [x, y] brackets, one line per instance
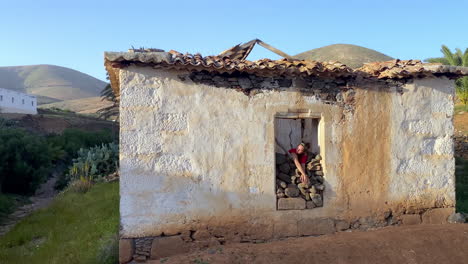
[73, 140]
[92, 165]
[6, 123]
[461, 184]
[81, 185]
[6, 204]
[25, 161]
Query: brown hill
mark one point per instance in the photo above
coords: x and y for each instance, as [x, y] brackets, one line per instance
[50, 83]
[88, 105]
[351, 55]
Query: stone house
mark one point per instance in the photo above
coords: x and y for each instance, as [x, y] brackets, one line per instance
[203, 139]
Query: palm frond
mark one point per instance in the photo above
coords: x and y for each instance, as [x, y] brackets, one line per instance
[451, 58]
[465, 58]
[444, 61]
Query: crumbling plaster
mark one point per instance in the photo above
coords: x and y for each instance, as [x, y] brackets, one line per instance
[198, 155]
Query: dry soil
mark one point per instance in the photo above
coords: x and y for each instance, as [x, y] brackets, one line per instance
[405, 244]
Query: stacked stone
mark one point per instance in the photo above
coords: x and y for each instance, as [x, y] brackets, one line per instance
[291, 192]
[142, 248]
[243, 81]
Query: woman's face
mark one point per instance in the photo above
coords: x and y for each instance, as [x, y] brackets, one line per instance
[300, 149]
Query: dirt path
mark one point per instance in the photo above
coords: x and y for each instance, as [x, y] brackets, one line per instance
[407, 244]
[42, 198]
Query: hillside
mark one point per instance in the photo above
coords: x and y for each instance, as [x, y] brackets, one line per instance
[351, 55]
[51, 121]
[88, 105]
[50, 83]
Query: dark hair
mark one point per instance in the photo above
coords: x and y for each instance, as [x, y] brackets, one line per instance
[305, 145]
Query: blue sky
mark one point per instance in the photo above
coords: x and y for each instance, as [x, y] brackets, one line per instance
[75, 34]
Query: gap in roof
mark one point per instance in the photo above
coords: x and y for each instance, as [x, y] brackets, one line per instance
[258, 52]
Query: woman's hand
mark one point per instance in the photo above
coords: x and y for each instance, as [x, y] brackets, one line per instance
[304, 179]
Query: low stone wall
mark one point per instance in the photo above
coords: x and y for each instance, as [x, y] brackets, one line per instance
[157, 247]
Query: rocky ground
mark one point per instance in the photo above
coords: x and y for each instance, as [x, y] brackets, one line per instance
[397, 244]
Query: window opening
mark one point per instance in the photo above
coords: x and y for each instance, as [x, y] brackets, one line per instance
[298, 137]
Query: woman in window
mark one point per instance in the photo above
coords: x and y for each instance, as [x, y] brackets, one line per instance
[299, 155]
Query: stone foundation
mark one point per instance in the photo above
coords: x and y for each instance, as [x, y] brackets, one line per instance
[158, 247]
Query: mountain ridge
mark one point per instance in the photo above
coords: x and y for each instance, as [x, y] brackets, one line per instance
[50, 83]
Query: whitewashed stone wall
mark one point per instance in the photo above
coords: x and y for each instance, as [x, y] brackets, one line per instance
[423, 164]
[16, 102]
[194, 155]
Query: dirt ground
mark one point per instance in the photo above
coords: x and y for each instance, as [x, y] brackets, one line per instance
[404, 244]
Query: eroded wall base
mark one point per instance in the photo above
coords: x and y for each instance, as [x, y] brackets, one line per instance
[157, 247]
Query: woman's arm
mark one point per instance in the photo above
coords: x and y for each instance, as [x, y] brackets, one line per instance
[301, 168]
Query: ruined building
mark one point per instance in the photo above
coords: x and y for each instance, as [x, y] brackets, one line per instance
[203, 140]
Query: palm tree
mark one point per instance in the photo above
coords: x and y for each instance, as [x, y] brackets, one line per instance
[457, 58]
[111, 111]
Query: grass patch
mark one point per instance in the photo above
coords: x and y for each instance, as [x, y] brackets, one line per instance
[461, 184]
[461, 108]
[76, 228]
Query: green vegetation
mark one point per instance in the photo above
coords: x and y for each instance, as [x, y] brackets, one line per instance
[461, 108]
[8, 202]
[461, 183]
[56, 109]
[92, 165]
[76, 228]
[72, 140]
[457, 58]
[351, 55]
[25, 161]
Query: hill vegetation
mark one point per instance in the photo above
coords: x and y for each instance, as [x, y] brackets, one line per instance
[50, 83]
[351, 55]
[88, 105]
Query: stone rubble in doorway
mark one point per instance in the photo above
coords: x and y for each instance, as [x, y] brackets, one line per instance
[291, 193]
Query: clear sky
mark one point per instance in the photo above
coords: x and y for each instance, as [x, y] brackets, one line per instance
[76, 33]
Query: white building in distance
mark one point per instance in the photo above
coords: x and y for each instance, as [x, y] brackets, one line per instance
[16, 102]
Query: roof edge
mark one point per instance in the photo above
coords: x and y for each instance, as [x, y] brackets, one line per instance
[393, 69]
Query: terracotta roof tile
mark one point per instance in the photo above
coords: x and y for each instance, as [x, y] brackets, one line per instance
[225, 64]
[400, 69]
[394, 69]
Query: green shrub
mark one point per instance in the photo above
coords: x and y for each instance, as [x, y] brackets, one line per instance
[92, 164]
[6, 123]
[7, 203]
[72, 140]
[461, 184]
[25, 161]
[81, 185]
